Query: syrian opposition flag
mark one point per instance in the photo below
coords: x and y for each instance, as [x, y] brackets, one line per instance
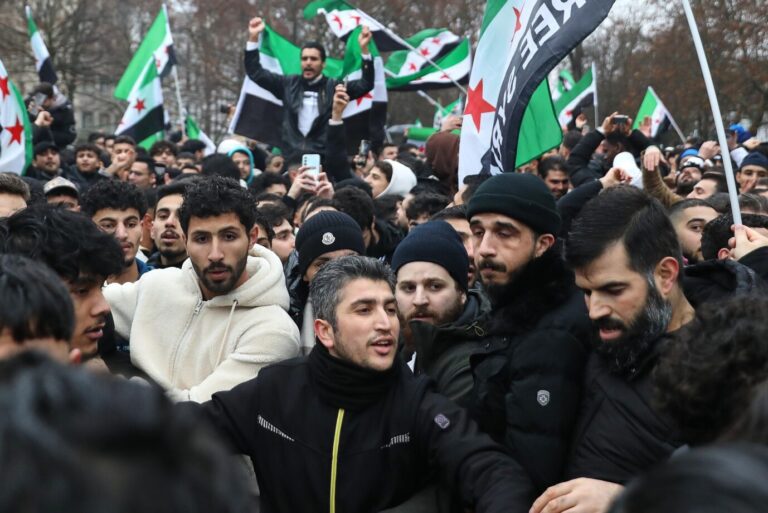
[15, 128]
[157, 46]
[429, 44]
[661, 119]
[454, 108]
[144, 119]
[192, 130]
[418, 136]
[522, 41]
[583, 94]
[343, 19]
[452, 67]
[565, 83]
[43, 63]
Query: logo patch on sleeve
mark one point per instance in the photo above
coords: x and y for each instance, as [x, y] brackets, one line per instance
[442, 421]
[542, 396]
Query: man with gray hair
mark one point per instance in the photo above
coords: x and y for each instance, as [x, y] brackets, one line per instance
[383, 430]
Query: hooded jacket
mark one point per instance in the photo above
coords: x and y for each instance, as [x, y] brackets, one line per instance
[442, 352]
[402, 181]
[195, 347]
[230, 147]
[715, 280]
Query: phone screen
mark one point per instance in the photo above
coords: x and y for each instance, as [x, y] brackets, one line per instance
[311, 160]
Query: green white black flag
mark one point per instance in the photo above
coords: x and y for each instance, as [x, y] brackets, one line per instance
[144, 118]
[43, 63]
[581, 95]
[15, 128]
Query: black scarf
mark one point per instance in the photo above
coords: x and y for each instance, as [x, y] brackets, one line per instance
[343, 384]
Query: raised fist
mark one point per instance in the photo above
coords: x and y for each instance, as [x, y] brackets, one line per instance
[255, 28]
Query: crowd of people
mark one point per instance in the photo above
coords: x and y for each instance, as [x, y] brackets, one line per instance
[571, 336]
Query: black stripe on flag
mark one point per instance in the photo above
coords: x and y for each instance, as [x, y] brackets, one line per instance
[150, 124]
[47, 73]
[261, 120]
[170, 63]
[430, 86]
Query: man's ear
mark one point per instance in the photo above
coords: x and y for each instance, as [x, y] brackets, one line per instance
[666, 273]
[254, 235]
[146, 221]
[543, 243]
[324, 333]
[724, 254]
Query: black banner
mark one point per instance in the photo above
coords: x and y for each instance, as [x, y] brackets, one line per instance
[550, 30]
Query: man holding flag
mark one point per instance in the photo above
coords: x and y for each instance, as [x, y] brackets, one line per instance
[307, 98]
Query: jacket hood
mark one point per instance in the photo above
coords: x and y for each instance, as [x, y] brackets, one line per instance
[402, 181]
[231, 146]
[265, 285]
[716, 279]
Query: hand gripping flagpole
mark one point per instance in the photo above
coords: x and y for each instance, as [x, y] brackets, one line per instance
[715, 112]
[409, 46]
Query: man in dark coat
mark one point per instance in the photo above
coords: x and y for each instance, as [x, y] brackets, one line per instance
[349, 428]
[443, 321]
[627, 260]
[307, 98]
[528, 372]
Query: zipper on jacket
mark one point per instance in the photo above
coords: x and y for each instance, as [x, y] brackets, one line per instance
[174, 361]
[335, 457]
[198, 307]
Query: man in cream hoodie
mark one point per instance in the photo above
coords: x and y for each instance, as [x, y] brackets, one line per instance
[223, 316]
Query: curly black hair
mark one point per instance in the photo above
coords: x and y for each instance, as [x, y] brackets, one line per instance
[214, 196]
[113, 194]
[717, 232]
[33, 301]
[68, 242]
[355, 203]
[425, 204]
[709, 372]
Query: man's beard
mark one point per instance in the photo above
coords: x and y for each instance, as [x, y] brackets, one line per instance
[497, 291]
[684, 188]
[650, 323]
[221, 287]
[439, 318]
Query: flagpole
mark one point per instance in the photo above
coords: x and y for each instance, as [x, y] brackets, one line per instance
[409, 46]
[594, 80]
[418, 91]
[182, 112]
[718, 118]
[174, 71]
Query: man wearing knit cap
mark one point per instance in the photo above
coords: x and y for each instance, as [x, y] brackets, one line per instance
[528, 373]
[323, 237]
[442, 321]
[753, 167]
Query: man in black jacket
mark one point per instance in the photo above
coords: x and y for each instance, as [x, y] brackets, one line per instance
[349, 428]
[528, 372]
[628, 262]
[307, 98]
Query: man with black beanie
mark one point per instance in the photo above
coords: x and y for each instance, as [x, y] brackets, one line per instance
[442, 321]
[528, 374]
[323, 237]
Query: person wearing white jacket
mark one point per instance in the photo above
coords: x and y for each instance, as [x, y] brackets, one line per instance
[218, 320]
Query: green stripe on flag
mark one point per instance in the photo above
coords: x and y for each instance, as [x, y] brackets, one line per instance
[152, 41]
[649, 105]
[353, 54]
[313, 8]
[540, 131]
[455, 56]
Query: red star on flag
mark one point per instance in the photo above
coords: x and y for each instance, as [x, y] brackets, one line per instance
[445, 76]
[360, 100]
[357, 19]
[476, 104]
[16, 131]
[4, 87]
[412, 67]
[518, 25]
[157, 63]
[337, 20]
[436, 41]
[139, 105]
[424, 52]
